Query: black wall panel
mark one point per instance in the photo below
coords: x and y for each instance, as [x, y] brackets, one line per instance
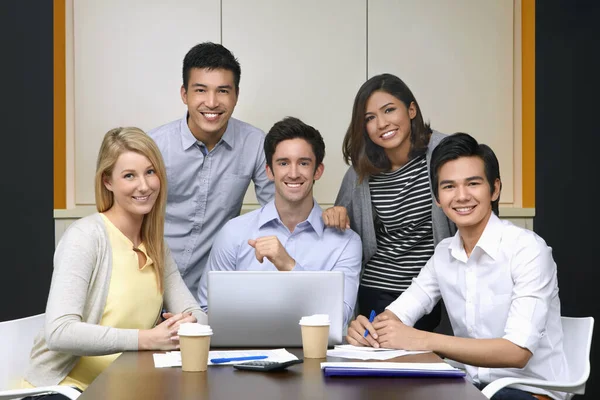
[567, 154]
[26, 139]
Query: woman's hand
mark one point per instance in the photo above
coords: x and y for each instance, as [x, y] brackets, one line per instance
[336, 217]
[164, 335]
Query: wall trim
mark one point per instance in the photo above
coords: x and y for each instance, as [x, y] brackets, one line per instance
[528, 98]
[60, 116]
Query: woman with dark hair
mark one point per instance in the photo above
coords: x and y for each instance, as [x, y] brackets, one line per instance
[386, 193]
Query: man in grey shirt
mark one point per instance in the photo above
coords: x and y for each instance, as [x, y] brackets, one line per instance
[210, 158]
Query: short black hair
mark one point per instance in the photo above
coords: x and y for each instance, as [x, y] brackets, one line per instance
[460, 145]
[293, 128]
[208, 55]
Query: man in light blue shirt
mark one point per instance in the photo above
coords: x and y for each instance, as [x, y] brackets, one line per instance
[210, 158]
[288, 234]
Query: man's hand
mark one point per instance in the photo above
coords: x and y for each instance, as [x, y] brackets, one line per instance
[336, 217]
[386, 315]
[356, 332]
[393, 334]
[271, 248]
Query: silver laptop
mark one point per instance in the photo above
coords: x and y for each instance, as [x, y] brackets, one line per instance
[263, 308]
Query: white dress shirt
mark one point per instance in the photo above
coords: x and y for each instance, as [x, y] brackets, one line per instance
[506, 289]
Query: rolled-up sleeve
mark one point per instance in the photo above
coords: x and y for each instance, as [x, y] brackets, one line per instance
[350, 263]
[222, 257]
[534, 275]
[263, 186]
[420, 297]
[177, 296]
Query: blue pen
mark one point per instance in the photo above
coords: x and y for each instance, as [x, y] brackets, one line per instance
[226, 360]
[371, 318]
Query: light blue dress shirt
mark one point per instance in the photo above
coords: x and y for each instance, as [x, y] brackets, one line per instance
[313, 246]
[206, 189]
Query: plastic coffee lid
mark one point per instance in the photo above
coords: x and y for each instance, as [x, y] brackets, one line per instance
[194, 329]
[315, 320]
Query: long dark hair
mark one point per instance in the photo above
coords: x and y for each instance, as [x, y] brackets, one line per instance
[366, 157]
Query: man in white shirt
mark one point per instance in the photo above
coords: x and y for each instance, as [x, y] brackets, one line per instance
[498, 282]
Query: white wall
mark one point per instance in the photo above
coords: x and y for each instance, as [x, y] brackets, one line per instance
[302, 58]
[457, 58]
[128, 59]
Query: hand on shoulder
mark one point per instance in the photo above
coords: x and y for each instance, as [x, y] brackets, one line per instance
[336, 217]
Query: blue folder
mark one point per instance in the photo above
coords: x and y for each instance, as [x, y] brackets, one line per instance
[341, 371]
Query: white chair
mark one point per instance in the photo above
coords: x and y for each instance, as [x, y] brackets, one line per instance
[17, 339]
[577, 341]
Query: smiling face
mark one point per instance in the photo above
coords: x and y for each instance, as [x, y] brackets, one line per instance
[388, 122]
[294, 170]
[134, 184]
[464, 193]
[211, 98]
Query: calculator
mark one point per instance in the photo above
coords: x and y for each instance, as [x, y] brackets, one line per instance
[266, 366]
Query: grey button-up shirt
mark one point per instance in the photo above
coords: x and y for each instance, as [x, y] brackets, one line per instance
[207, 190]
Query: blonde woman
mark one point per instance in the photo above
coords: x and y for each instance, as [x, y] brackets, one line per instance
[113, 273]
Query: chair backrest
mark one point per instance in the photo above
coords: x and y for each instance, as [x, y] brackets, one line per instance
[577, 342]
[17, 339]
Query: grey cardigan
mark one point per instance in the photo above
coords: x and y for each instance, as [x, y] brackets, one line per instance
[356, 197]
[80, 282]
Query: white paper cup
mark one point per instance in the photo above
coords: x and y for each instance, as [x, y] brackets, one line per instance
[194, 341]
[315, 335]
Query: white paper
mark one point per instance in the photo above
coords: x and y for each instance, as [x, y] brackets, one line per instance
[173, 358]
[278, 355]
[165, 360]
[361, 348]
[392, 366]
[370, 355]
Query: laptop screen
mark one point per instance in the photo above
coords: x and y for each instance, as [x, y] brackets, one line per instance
[263, 308]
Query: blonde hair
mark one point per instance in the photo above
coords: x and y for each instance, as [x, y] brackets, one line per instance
[116, 142]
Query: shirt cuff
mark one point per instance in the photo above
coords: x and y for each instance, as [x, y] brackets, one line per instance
[407, 308]
[523, 334]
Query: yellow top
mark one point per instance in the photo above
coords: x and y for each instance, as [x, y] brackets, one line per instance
[133, 302]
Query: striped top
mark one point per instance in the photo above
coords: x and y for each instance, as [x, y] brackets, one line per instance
[402, 202]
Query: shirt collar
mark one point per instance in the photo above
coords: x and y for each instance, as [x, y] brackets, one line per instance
[491, 236]
[489, 241]
[269, 213]
[188, 139]
[315, 220]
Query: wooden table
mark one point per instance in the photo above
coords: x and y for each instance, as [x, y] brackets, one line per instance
[133, 376]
